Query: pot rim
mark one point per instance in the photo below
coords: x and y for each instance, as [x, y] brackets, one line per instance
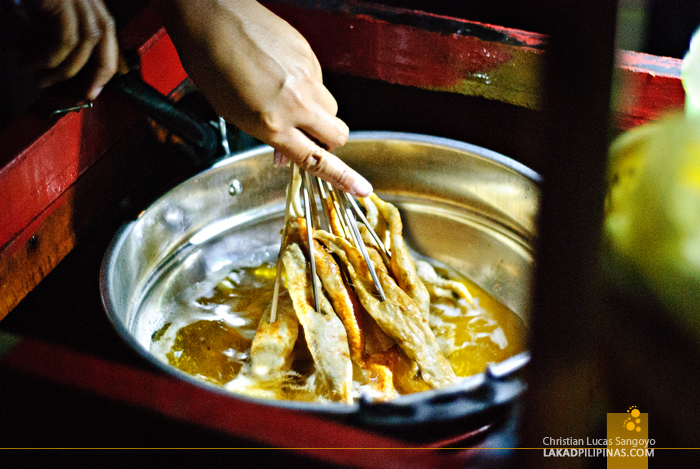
[499, 384]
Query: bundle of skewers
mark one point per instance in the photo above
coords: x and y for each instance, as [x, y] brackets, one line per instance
[353, 287]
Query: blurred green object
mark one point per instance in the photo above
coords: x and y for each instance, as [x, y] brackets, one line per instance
[652, 213]
[690, 75]
[650, 314]
[652, 222]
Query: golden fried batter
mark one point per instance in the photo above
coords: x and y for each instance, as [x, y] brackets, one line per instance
[379, 364]
[336, 290]
[401, 262]
[273, 344]
[399, 316]
[438, 286]
[324, 331]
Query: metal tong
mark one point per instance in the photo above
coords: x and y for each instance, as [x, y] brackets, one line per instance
[313, 189]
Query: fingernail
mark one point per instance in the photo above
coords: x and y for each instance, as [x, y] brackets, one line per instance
[344, 129]
[279, 159]
[42, 83]
[93, 94]
[361, 188]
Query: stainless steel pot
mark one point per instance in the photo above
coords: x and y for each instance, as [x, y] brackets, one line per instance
[462, 205]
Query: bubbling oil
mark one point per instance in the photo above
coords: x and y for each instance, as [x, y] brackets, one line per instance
[213, 342]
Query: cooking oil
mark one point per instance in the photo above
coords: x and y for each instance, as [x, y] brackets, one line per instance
[214, 343]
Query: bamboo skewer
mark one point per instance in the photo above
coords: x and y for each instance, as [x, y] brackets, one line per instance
[283, 245]
[310, 236]
[345, 208]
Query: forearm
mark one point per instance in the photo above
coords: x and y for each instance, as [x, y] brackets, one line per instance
[230, 48]
[195, 18]
[260, 74]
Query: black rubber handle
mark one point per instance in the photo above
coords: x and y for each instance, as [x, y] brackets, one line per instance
[431, 415]
[161, 109]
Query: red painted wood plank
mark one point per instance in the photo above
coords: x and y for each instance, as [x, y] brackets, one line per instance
[439, 53]
[24, 264]
[159, 62]
[40, 159]
[320, 438]
[46, 168]
[649, 87]
[422, 50]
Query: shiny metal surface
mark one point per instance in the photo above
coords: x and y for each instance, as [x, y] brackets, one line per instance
[462, 205]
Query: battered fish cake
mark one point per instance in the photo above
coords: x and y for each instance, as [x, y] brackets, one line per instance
[399, 316]
[324, 331]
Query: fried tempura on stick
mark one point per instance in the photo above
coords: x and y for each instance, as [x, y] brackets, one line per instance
[376, 222]
[438, 286]
[324, 331]
[399, 316]
[401, 262]
[272, 346]
[295, 202]
[338, 293]
[334, 219]
[381, 371]
[379, 364]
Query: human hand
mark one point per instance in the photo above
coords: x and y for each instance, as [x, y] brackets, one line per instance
[260, 74]
[59, 38]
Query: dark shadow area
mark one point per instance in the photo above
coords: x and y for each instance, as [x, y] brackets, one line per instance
[376, 105]
[47, 415]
